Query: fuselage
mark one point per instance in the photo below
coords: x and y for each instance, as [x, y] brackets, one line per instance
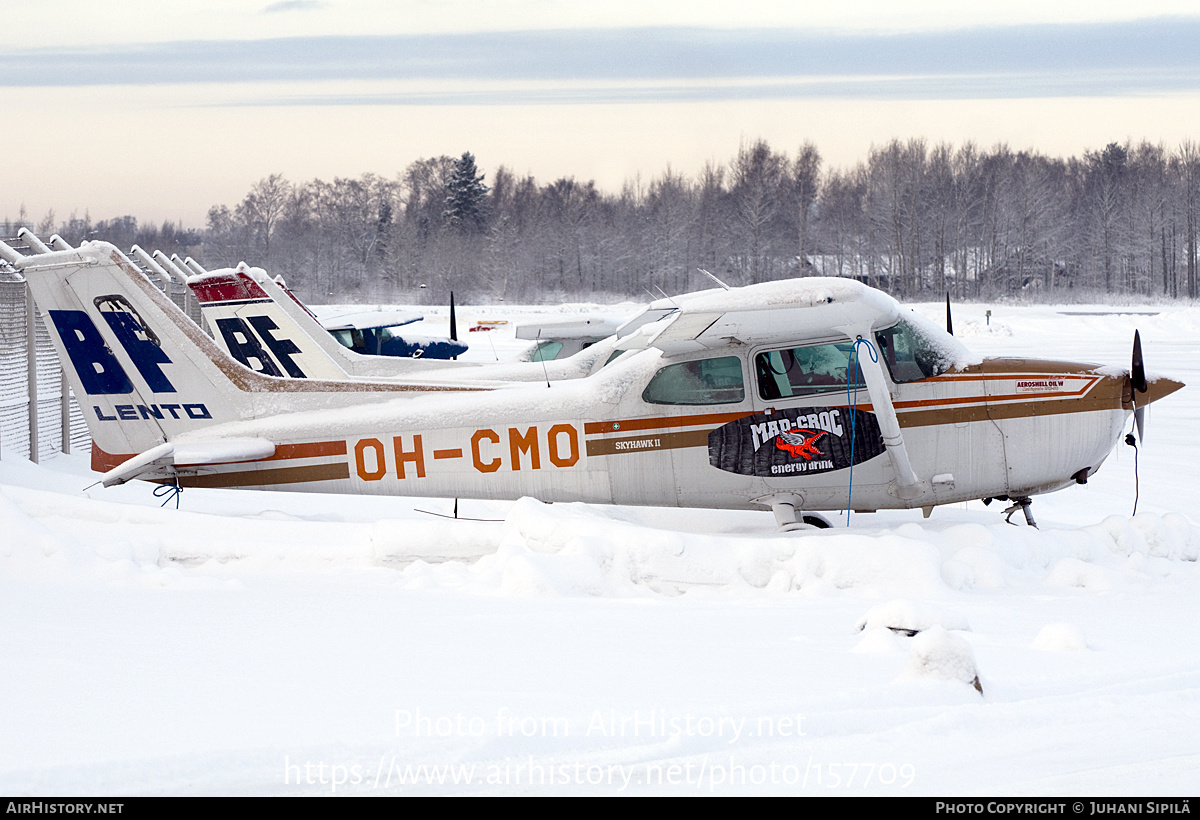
[1001, 427]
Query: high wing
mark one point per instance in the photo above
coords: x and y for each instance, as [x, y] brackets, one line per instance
[560, 338]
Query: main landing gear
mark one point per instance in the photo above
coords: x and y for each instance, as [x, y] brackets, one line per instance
[789, 517]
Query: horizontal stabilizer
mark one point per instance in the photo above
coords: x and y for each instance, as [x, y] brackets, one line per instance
[159, 461]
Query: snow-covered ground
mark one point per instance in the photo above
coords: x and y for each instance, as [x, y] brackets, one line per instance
[266, 643]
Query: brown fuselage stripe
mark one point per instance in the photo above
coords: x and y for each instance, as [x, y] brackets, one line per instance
[920, 418]
[996, 412]
[264, 478]
[983, 408]
[643, 444]
[661, 422]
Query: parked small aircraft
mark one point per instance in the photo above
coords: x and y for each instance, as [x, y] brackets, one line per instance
[801, 395]
[260, 322]
[376, 333]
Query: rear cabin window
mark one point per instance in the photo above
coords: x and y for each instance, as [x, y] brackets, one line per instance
[806, 371]
[705, 381]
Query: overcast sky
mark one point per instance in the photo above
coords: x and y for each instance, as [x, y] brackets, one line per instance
[113, 109]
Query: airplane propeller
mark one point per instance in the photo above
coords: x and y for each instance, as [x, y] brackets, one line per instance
[949, 323]
[453, 327]
[1137, 377]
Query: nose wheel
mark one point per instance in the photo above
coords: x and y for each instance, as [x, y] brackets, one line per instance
[1023, 503]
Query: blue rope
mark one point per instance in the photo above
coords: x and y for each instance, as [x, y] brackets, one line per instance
[852, 398]
[170, 491]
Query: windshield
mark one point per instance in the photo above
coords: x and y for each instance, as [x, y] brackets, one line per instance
[910, 354]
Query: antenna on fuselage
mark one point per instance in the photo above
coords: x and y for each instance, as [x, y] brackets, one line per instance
[543, 358]
[714, 278]
[654, 298]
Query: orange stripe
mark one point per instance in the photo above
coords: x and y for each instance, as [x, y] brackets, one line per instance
[447, 453]
[313, 449]
[991, 377]
[659, 422]
[102, 462]
[1011, 397]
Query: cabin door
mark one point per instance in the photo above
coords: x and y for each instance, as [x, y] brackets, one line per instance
[804, 436]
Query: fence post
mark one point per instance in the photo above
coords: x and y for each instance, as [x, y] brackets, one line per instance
[65, 411]
[31, 385]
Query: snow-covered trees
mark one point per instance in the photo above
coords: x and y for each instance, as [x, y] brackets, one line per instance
[466, 197]
[913, 218]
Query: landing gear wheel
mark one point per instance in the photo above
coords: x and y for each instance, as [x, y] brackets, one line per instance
[1022, 503]
[817, 520]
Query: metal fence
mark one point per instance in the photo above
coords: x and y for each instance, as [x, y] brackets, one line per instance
[38, 414]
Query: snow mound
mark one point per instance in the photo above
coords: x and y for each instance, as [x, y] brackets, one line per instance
[579, 550]
[939, 654]
[28, 548]
[880, 641]
[1060, 637]
[910, 617]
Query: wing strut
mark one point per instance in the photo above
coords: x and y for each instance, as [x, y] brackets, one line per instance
[908, 486]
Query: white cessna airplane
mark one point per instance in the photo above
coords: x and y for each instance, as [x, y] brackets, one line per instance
[739, 398]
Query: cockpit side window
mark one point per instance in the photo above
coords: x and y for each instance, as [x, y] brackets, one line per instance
[546, 351]
[909, 356]
[705, 381]
[351, 338]
[806, 371]
[612, 357]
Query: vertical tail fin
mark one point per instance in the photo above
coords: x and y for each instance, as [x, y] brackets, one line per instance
[127, 350]
[253, 319]
[263, 325]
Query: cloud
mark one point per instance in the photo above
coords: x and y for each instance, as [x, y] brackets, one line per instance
[294, 5]
[652, 64]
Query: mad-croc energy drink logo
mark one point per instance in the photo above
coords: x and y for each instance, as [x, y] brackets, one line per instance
[800, 441]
